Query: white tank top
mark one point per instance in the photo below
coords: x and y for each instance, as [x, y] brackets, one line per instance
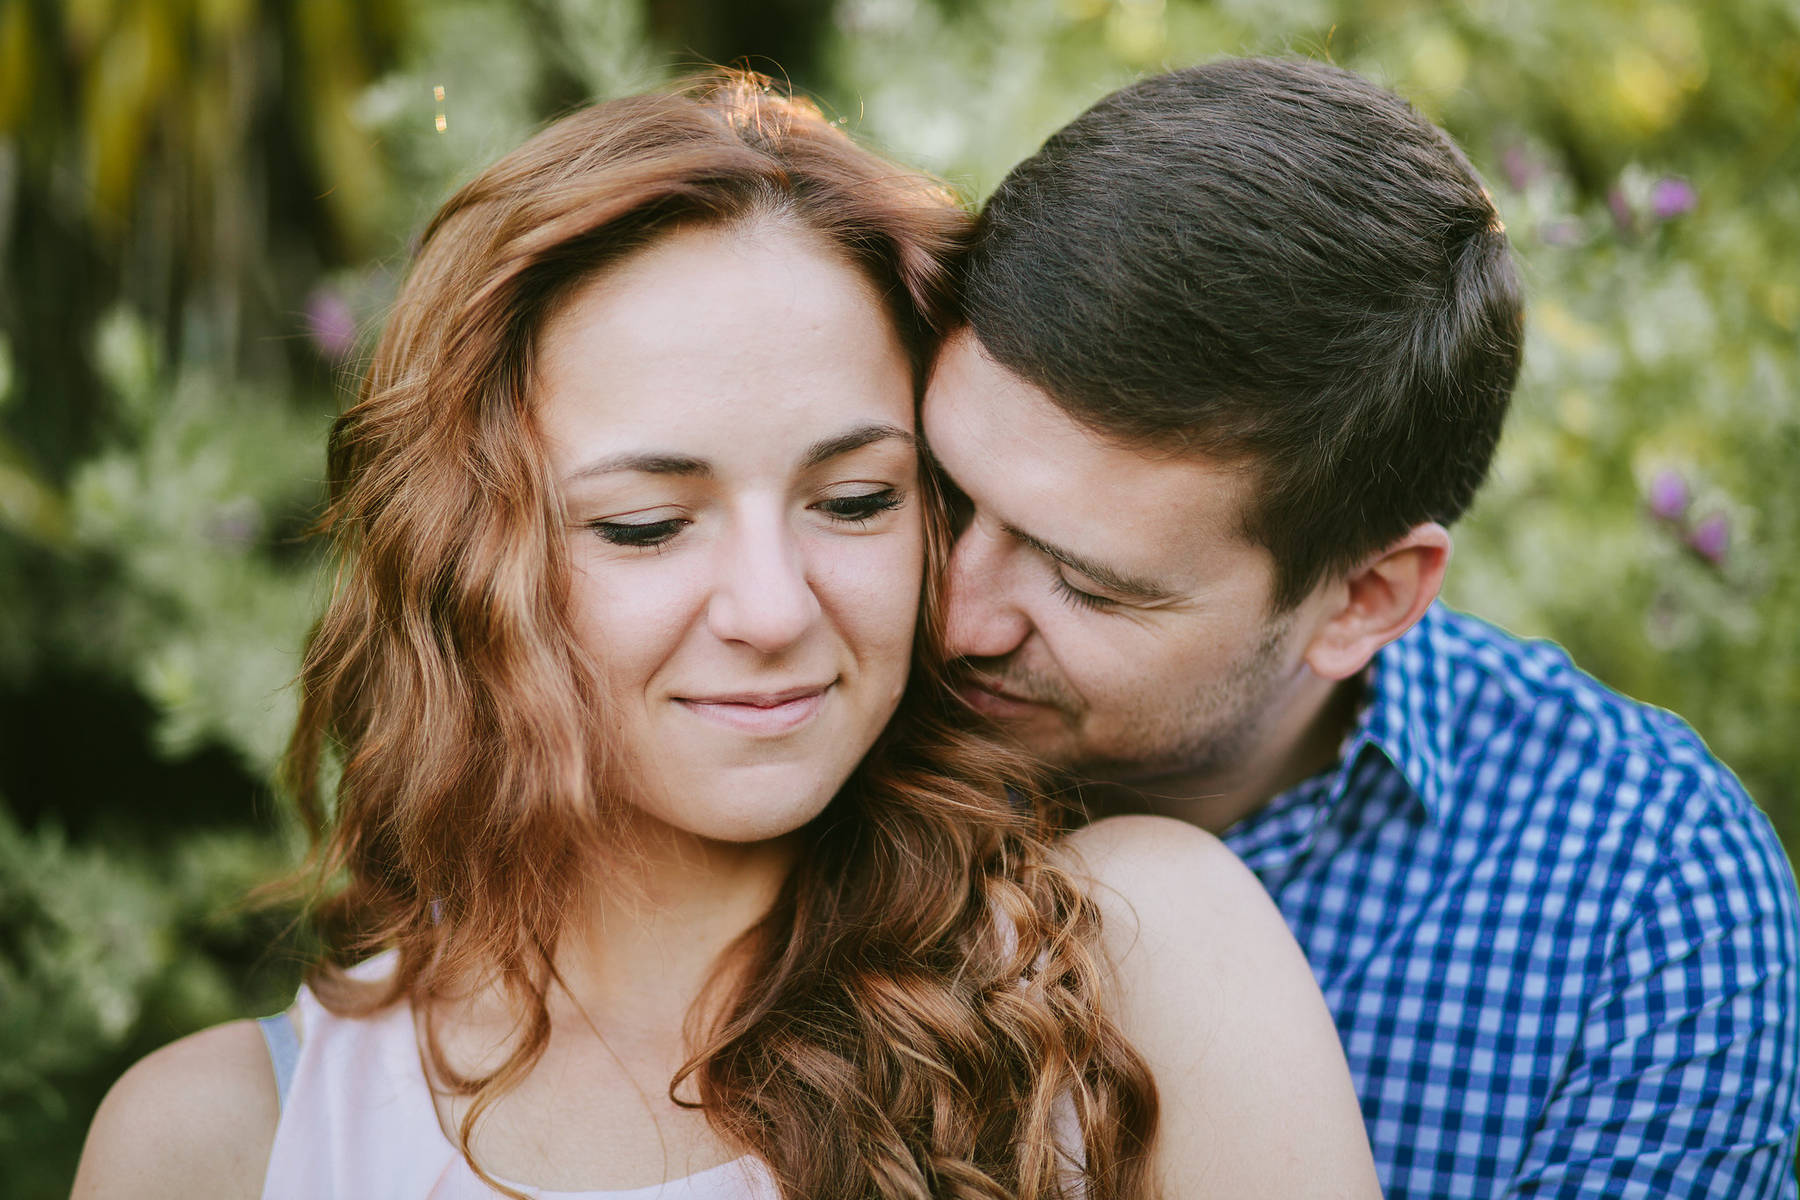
[357, 1120]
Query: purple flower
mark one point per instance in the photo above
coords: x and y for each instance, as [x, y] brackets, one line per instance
[1668, 496]
[1672, 196]
[1710, 538]
[1560, 232]
[330, 323]
[1520, 167]
[236, 523]
[1619, 205]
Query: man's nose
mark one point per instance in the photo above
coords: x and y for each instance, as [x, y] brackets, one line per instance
[984, 621]
[761, 595]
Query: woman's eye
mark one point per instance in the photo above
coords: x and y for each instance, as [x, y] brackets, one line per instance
[1077, 597]
[864, 507]
[637, 534]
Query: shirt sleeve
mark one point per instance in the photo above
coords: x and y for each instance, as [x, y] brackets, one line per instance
[1683, 1082]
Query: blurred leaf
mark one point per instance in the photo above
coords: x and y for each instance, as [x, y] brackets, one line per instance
[28, 505]
[17, 53]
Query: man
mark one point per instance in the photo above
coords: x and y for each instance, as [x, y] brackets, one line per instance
[1240, 342]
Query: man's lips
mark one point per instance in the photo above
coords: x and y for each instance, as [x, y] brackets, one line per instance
[764, 713]
[982, 695]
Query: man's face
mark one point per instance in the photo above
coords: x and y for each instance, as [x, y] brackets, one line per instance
[1106, 608]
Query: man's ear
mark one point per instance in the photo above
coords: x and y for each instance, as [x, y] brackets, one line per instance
[1378, 601]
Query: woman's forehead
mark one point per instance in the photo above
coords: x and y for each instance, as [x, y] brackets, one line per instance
[718, 343]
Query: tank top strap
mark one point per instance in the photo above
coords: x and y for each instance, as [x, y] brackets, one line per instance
[284, 1051]
[358, 1119]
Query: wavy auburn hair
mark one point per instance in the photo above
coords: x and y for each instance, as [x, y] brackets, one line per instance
[922, 1007]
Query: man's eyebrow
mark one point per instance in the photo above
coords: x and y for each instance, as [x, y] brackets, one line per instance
[1113, 581]
[826, 449]
[650, 463]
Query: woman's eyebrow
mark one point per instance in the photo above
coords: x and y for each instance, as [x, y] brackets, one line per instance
[829, 448]
[650, 463]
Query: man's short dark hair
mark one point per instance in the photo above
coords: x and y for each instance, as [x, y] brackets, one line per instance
[1272, 260]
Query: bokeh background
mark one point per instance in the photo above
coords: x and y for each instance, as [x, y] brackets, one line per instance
[205, 206]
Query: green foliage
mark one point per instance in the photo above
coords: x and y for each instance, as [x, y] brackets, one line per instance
[105, 953]
[179, 506]
[204, 208]
[83, 939]
[1641, 510]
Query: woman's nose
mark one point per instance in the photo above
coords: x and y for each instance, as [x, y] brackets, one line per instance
[762, 596]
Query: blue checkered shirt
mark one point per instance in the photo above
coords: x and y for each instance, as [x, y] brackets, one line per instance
[1561, 944]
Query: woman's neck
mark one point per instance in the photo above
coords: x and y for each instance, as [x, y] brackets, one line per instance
[628, 1009]
[650, 935]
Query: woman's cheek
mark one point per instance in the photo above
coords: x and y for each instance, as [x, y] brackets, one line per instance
[629, 616]
[879, 595]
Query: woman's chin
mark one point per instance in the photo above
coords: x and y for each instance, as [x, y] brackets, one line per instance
[748, 805]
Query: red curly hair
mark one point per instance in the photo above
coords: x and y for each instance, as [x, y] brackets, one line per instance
[926, 993]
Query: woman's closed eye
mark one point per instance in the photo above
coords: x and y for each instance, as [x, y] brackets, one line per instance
[861, 507]
[638, 534]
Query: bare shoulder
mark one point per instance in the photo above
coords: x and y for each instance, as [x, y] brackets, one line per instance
[195, 1118]
[1215, 994]
[1187, 927]
[1154, 877]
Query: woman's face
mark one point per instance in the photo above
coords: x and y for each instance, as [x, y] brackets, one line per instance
[729, 414]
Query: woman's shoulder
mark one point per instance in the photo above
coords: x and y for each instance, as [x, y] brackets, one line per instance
[1143, 841]
[1156, 876]
[196, 1117]
[1212, 990]
[1186, 926]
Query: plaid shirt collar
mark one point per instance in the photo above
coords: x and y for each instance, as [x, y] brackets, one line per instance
[1401, 736]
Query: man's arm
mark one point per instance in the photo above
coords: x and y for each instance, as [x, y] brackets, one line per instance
[1686, 1079]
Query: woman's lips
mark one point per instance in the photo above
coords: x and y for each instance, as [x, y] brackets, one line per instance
[765, 713]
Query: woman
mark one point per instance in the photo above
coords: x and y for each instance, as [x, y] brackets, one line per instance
[667, 856]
